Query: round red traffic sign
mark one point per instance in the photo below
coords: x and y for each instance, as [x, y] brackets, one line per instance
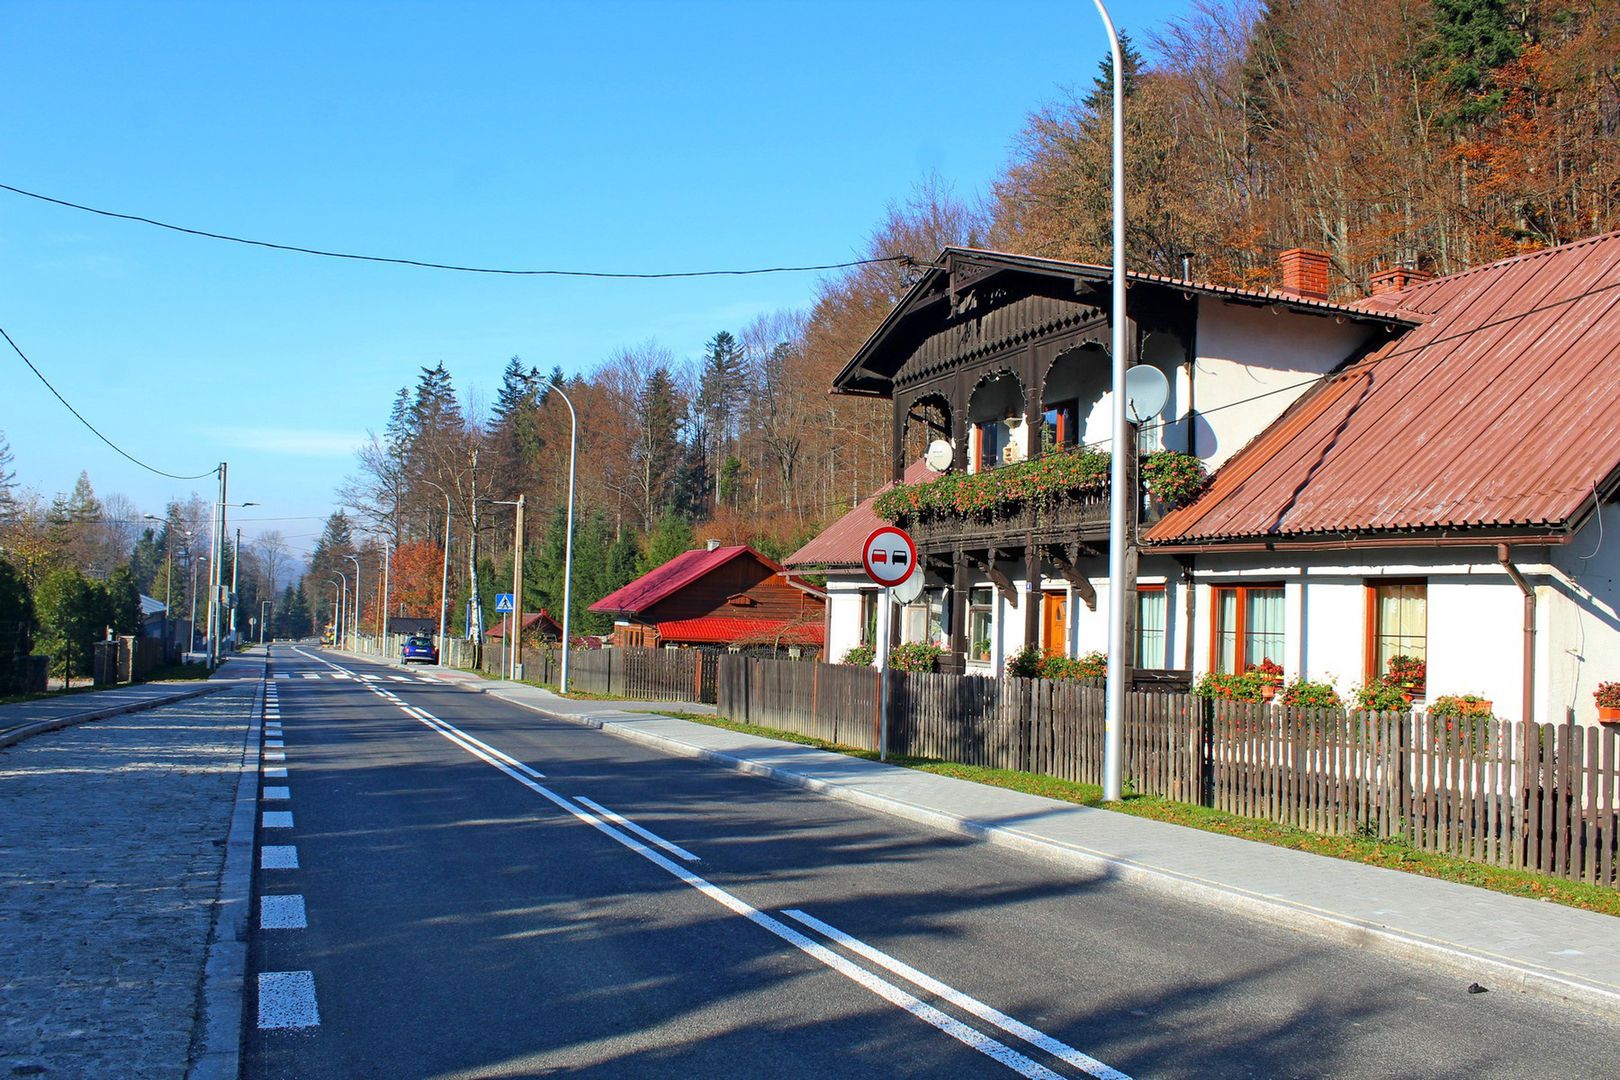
[889, 555]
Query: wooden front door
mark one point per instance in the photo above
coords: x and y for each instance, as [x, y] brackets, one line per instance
[1055, 623]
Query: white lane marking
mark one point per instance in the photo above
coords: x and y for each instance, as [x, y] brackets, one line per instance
[282, 913]
[1039, 1039]
[646, 834]
[371, 678]
[276, 794]
[275, 755]
[276, 773]
[287, 1000]
[280, 676]
[278, 857]
[275, 744]
[400, 678]
[977, 1040]
[273, 730]
[312, 674]
[278, 819]
[429, 678]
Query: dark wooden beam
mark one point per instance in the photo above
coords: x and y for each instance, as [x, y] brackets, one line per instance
[1000, 580]
[1077, 581]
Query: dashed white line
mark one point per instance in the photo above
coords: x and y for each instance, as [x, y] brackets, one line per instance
[282, 676]
[274, 744]
[287, 1000]
[275, 755]
[274, 773]
[277, 794]
[646, 834]
[278, 857]
[312, 674]
[1057, 1048]
[282, 913]
[278, 819]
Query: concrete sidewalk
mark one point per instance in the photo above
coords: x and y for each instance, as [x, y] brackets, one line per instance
[111, 855]
[19, 721]
[1500, 941]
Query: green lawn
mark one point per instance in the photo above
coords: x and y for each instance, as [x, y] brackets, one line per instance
[1394, 854]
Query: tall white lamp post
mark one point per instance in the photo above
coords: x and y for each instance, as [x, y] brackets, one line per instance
[354, 616]
[444, 570]
[568, 537]
[1114, 713]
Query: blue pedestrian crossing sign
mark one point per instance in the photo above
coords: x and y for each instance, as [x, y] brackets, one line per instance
[503, 603]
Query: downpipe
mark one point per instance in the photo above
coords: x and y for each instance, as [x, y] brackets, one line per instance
[1528, 705]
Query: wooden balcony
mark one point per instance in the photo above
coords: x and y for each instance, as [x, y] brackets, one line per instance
[1079, 518]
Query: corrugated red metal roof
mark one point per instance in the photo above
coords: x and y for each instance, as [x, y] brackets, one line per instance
[731, 630]
[838, 546]
[1497, 412]
[530, 620]
[680, 571]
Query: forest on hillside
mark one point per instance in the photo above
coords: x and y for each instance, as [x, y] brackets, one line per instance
[1439, 134]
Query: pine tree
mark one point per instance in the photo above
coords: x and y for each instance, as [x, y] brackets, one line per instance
[656, 453]
[124, 602]
[670, 537]
[1472, 38]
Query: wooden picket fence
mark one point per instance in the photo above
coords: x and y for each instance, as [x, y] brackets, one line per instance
[1538, 796]
[636, 673]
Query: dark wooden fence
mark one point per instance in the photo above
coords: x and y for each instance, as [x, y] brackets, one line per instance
[636, 673]
[1538, 796]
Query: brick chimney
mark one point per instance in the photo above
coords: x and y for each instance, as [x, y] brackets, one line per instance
[1397, 278]
[1304, 273]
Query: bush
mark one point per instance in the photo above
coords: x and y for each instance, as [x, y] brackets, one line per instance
[1457, 706]
[1381, 696]
[860, 656]
[916, 656]
[1026, 663]
[1093, 665]
[1224, 687]
[1304, 694]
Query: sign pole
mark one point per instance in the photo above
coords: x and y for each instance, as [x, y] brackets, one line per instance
[885, 606]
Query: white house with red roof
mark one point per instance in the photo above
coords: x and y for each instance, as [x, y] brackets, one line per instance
[1428, 472]
[718, 596]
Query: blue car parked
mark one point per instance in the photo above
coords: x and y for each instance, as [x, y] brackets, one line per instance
[419, 647]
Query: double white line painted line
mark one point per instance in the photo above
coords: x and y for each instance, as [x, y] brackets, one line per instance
[626, 832]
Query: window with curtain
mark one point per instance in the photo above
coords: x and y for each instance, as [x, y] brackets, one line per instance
[979, 622]
[869, 615]
[1152, 610]
[1248, 627]
[1400, 623]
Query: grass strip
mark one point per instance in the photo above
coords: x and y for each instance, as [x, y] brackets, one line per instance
[1394, 854]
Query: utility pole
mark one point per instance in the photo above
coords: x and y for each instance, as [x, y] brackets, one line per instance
[517, 590]
[236, 558]
[382, 632]
[354, 616]
[475, 630]
[215, 577]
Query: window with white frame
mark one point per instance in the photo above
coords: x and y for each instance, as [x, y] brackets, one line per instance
[980, 606]
[1152, 625]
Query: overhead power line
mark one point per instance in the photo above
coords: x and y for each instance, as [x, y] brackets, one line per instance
[427, 265]
[93, 429]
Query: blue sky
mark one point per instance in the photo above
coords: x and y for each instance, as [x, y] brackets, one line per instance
[604, 136]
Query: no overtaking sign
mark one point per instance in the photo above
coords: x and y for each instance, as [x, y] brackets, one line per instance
[889, 555]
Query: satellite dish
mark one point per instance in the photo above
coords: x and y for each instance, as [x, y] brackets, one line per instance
[939, 456]
[1146, 390]
[908, 590]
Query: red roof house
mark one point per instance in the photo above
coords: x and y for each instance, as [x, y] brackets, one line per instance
[717, 596]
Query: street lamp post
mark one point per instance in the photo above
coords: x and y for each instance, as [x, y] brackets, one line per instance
[444, 570]
[264, 619]
[1114, 712]
[354, 616]
[515, 639]
[338, 625]
[568, 537]
[382, 630]
[191, 624]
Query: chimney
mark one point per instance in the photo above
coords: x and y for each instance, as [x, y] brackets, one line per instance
[1397, 278]
[712, 544]
[1304, 273]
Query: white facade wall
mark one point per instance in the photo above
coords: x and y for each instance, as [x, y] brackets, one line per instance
[844, 613]
[1580, 613]
[1244, 352]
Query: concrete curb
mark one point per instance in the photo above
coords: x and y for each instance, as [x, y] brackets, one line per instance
[217, 1037]
[17, 735]
[1343, 929]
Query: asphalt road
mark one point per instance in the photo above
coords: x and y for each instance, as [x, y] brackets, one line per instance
[468, 916]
